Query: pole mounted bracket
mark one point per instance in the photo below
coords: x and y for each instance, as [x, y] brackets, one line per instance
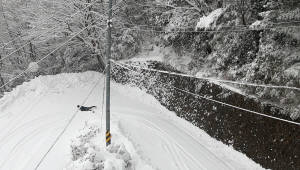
[109, 23]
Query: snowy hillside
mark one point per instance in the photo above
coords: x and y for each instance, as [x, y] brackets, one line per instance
[145, 135]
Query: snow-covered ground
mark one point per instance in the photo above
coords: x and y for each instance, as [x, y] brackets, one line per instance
[209, 21]
[34, 114]
[166, 55]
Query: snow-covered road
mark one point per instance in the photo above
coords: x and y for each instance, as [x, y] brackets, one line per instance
[34, 114]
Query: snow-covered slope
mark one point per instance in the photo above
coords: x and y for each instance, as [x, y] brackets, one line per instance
[209, 21]
[34, 114]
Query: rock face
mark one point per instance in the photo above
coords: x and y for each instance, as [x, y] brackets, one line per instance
[273, 144]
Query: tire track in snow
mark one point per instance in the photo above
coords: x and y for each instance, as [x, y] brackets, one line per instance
[168, 150]
[13, 123]
[171, 146]
[175, 145]
[150, 118]
[29, 107]
[186, 156]
[211, 154]
[142, 115]
[20, 129]
[26, 138]
[197, 141]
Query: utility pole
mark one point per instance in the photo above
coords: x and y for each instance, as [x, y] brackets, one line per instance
[109, 26]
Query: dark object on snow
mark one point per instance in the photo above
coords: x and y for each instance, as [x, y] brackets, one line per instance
[83, 108]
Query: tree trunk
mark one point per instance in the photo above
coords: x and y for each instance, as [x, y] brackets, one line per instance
[32, 52]
[1, 79]
[243, 19]
[101, 62]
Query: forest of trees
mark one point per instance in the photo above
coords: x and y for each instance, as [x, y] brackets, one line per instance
[253, 41]
[32, 29]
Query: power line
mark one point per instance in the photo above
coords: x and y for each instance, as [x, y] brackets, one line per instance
[189, 8]
[240, 27]
[236, 107]
[209, 79]
[193, 6]
[222, 103]
[199, 31]
[66, 127]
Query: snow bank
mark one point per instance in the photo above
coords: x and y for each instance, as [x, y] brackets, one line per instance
[89, 152]
[46, 84]
[88, 155]
[49, 84]
[210, 20]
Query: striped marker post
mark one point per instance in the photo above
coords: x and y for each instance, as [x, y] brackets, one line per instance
[108, 138]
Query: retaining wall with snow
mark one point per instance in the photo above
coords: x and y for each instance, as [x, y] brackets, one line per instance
[273, 144]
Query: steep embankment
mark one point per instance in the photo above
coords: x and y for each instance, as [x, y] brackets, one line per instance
[271, 143]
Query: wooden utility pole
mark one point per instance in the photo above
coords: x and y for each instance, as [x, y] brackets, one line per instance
[109, 26]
